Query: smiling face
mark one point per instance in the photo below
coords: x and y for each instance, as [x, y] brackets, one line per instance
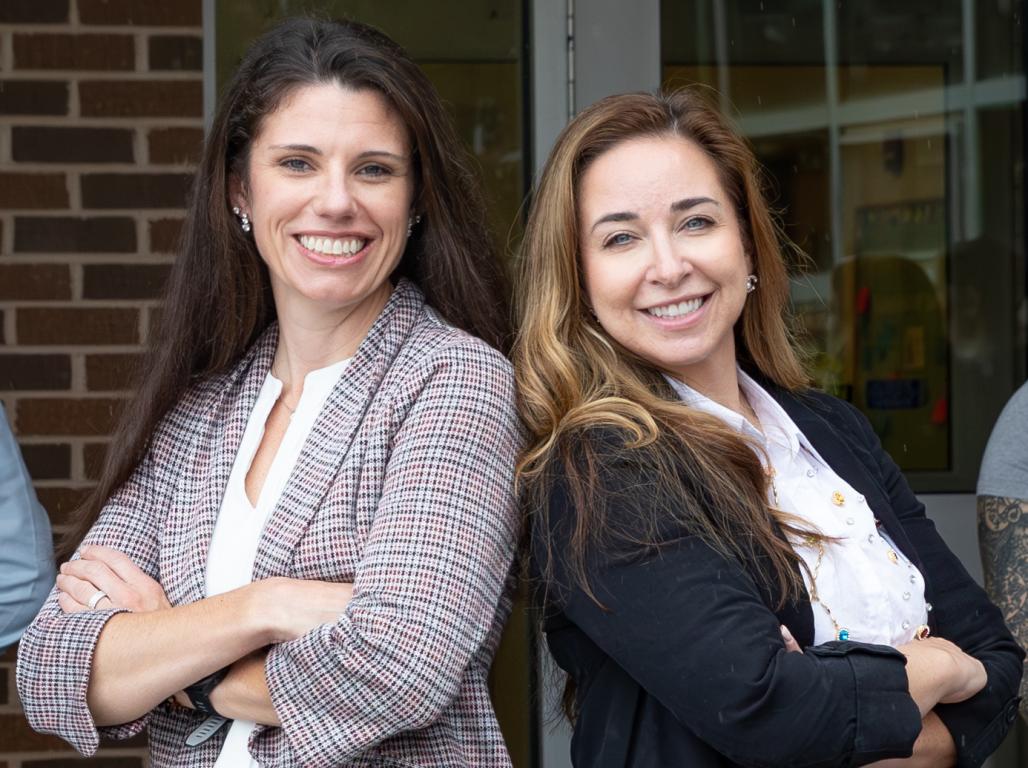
[663, 257]
[329, 188]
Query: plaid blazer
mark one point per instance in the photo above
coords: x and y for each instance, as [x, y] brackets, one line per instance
[405, 488]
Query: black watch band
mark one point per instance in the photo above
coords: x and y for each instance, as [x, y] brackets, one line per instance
[199, 693]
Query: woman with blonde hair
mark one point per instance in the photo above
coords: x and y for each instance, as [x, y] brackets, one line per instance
[732, 570]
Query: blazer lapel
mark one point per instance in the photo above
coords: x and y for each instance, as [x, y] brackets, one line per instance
[835, 449]
[334, 431]
[216, 457]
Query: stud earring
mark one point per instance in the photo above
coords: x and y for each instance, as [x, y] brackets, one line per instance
[411, 221]
[751, 283]
[244, 219]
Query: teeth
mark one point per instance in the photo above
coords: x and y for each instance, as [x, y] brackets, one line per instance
[677, 310]
[332, 247]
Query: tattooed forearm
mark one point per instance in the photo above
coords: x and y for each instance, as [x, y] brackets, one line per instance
[1003, 538]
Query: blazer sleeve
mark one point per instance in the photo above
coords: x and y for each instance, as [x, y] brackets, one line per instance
[689, 625]
[962, 613]
[56, 652]
[428, 588]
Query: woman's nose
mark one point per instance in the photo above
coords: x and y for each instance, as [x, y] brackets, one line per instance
[670, 264]
[335, 197]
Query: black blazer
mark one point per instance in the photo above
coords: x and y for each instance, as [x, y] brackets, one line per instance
[686, 666]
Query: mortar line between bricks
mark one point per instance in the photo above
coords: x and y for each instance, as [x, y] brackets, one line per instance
[128, 75]
[77, 275]
[142, 53]
[78, 465]
[73, 28]
[91, 257]
[131, 169]
[78, 373]
[57, 349]
[93, 303]
[9, 329]
[8, 53]
[61, 121]
[94, 212]
[73, 177]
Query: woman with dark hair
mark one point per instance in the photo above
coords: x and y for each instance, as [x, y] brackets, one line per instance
[699, 514]
[306, 522]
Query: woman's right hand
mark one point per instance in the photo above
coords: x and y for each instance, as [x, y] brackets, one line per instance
[293, 607]
[940, 673]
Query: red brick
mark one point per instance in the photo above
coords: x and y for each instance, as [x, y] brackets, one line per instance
[47, 461]
[76, 325]
[31, 282]
[58, 144]
[176, 53]
[141, 98]
[33, 97]
[135, 190]
[175, 145]
[164, 235]
[16, 736]
[180, 13]
[102, 760]
[33, 190]
[28, 371]
[63, 234]
[81, 52]
[124, 281]
[111, 372]
[60, 503]
[34, 11]
[67, 416]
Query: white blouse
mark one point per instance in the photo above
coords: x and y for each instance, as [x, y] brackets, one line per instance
[238, 529]
[869, 591]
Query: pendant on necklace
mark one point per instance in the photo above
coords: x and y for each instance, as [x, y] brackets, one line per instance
[843, 635]
[838, 499]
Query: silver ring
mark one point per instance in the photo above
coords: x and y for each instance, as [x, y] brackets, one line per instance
[96, 598]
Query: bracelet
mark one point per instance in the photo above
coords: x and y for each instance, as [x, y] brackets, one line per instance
[199, 693]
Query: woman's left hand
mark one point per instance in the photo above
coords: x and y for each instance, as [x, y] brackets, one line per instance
[106, 570]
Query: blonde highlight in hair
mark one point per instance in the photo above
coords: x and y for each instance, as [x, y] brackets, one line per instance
[575, 380]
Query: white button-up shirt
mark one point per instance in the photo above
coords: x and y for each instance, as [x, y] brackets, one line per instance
[863, 580]
[238, 530]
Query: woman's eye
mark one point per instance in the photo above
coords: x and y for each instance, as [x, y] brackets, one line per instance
[296, 164]
[375, 171]
[696, 223]
[621, 238]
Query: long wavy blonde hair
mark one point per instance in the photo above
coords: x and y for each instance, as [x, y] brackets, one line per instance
[574, 378]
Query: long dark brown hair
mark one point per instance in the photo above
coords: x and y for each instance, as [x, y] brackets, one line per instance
[576, 382]
[218, 298]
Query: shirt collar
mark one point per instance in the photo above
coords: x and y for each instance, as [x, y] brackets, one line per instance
[778, 426]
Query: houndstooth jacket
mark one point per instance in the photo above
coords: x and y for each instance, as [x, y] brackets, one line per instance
[405, 488]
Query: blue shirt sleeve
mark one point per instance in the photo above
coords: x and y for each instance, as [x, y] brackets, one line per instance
[26, 546]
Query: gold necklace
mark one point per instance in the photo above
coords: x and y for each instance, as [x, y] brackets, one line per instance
[841, 633]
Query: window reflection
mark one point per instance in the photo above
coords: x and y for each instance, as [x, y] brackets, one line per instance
[893, 136]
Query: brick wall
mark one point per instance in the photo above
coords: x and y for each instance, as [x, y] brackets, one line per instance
[100, 124]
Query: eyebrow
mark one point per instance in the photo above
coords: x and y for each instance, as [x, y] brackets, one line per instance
[676, 207]
[691, 202]
[362, 156]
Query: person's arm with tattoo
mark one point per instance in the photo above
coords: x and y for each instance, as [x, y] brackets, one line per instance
[1003, 539]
